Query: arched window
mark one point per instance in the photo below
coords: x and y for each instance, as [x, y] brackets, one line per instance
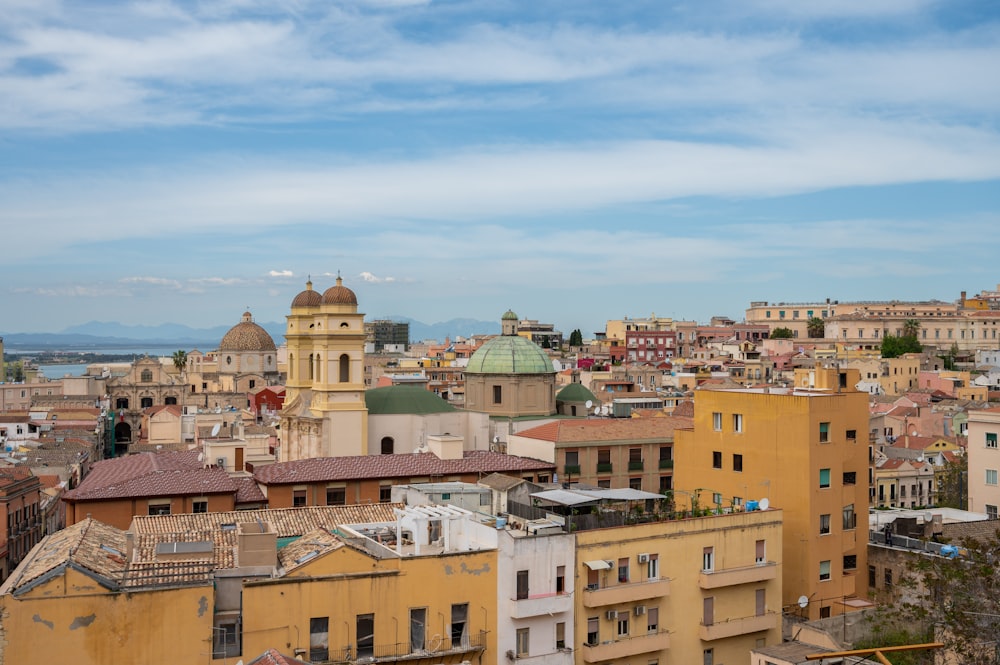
[146, 402]
[147, 376]
[387, 445]
[311, 361]
[121, 403]
[345, 368]
[319, 367]
[170, 400]
[291, 365]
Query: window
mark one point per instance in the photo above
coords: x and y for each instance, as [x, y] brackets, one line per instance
[418, 629]
[560, 579]
[991, 512]
[991, 440]
[623, 570]
[319, 638]
[708, 559]
[760, 551]
[824, 432]
[199, 507]
[708, 611]
[298, 498]
[824, 477]
[227, 641]
[561, 635]
[345, 376]
[522, 585]
[459, 632]
[852, 435]
[850, 478]
[824, 524]
[652, 619]
[716, 459]
[824, 570]
[849, 518]
[497, 394]
[737, 422]
[336, 496]
[717, 421]
[991, 476]
[824, 612]
[737, 462]
[707, 658]
[365, 627]
[850, 561]
[760, 598]
[871, 576]
[623, 624]
[666, 483]
[146, 402]
[385, 494]
[159, 508]
[572, 462]
[147, 376]
[593, 628]
[653, 567]
[388, 445]
[635, 483]
[888, 578]
[522, 642]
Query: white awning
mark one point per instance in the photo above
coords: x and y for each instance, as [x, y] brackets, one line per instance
[600, 564]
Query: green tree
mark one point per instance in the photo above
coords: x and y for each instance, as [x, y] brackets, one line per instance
[781, 333]
[180, 359]
[911, 328]
[816, 327]
[955, 600]
[576, 338]
[953, 484]
[950, 356]
[893, 347]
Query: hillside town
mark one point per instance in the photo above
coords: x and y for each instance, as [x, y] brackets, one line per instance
[765, 490]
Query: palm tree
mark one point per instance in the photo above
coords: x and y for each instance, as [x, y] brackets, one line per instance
[180, 360]
[816, 328]
[911, 327]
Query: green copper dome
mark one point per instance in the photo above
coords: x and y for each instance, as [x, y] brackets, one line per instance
[509, 315]
[413, 400]
[509, 354]
[576, 392]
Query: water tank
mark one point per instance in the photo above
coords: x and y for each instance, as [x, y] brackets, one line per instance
[501, 522]
[949, 551]
[753, 505]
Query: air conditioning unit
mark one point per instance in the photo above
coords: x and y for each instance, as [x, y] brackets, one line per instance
[612, 615]
[511, 655]
[640, 610]
[643, 558]
[221, 462]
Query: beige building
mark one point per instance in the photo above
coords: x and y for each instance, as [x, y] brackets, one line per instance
[984, 461]
[324, 414]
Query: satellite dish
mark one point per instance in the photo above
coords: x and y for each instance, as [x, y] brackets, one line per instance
[920, 458]
[589, 403]
[201, 457]
[597, 410]
[215, 429]
[803, 601]
[928, 517]
[764, 505]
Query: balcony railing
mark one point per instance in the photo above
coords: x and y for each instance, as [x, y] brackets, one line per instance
[634, 465]
[545, 603]
[571, 469]
[401, 651]
[741, 626]
[604, 467]
[626, 647]
[666, 464]
[629, 592]
[713, 579]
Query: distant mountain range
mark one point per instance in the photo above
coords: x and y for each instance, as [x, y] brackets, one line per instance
[111, 334]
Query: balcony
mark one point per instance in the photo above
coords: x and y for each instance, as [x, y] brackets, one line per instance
[626, 647]
[543, 603]
[558, 657]
[604, 467]
[571, 469]
[626, 593]
[635, 465]
[734, 627]
[666, 464]
[761, 572]
[400, 652]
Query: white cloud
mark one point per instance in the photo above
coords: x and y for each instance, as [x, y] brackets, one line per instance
[152, 281]
[372, 279]
[281, 273]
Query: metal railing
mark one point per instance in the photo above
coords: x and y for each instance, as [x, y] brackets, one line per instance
[434, 644]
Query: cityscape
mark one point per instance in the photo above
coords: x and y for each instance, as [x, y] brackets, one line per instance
[443, 332]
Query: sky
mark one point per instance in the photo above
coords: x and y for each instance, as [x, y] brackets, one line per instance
[574, 161]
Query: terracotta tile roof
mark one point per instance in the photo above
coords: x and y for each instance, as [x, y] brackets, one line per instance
[248, 491]
[151, 474]
[172, 409]
[500, 482]
[92, 547]
[14, 474]
[310, 545]
[684, 409]
[616, 429]
[360, 467]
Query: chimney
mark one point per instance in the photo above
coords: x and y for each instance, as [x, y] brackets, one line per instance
[962, 303]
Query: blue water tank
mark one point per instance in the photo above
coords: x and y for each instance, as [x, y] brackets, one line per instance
[752, 505]
[949, 551]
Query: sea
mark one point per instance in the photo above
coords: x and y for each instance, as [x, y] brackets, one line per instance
[79, 369]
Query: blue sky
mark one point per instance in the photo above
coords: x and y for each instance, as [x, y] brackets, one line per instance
[180, 161]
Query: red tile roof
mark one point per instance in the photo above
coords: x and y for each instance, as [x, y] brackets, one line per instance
[151, 474]
[248, 491]
[404, 465]
[616, 429]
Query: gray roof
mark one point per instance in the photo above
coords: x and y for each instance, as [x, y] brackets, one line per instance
[576, 497]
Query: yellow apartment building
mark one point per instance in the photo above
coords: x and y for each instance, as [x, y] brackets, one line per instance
[806, 451]
[696, 590]
[331, 584]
